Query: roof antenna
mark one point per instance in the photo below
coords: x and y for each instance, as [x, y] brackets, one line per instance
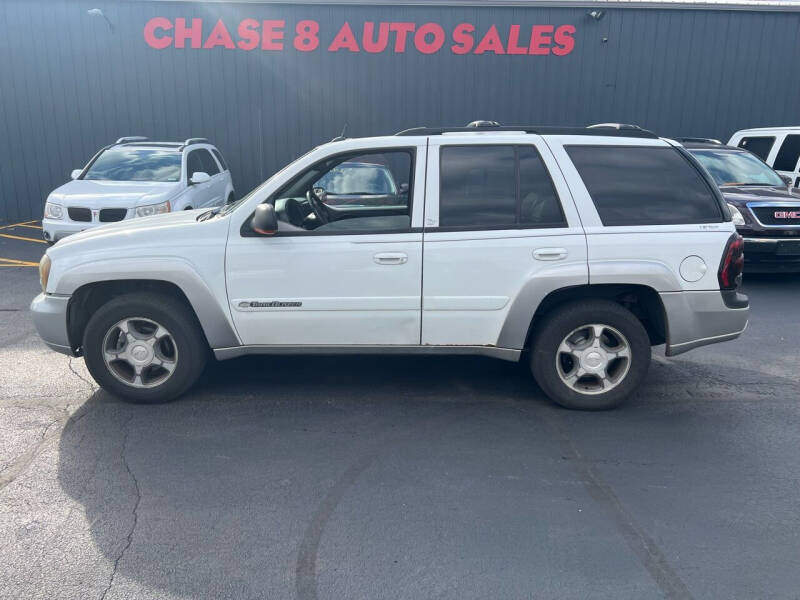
[340, 137]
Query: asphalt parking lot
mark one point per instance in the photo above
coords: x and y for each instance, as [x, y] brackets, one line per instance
[389, 477]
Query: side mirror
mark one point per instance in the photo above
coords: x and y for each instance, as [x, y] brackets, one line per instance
[199, 177]
[786, 179]
[264, 221]
[76, 173]
[403, 188]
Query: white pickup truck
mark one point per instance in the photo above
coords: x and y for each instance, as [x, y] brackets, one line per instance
[577, 249]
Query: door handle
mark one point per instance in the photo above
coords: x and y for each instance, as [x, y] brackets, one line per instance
[550, 253]
[391, 258]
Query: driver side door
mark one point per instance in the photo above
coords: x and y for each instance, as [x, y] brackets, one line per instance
[354, 281]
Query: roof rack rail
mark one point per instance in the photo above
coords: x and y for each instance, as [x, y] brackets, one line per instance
[698, 140]
[196, 141]
[131, 138]
[613, 126]
[540, 130]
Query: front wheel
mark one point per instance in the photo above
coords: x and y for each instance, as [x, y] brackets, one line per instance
[590, 355]
[144, 347]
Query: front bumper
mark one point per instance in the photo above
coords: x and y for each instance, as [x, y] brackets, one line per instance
[771, 255]
[50, 319]
[56, 229]
[699, 318]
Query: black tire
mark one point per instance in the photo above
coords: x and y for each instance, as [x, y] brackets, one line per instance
[559, 324]
[192, 348]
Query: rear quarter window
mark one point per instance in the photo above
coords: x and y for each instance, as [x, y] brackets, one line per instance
[644, 185]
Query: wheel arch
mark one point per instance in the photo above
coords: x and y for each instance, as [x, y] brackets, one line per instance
[643, 301]
[533, 304]
[90, 296]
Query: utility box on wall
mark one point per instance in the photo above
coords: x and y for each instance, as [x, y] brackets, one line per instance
[266, 81]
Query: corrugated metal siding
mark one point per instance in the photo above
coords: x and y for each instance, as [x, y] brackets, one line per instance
[69, 85]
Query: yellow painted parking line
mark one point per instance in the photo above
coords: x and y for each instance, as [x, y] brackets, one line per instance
[13, 266]
[31, 226]
[18, 224]
[19, 237]
[16, 263]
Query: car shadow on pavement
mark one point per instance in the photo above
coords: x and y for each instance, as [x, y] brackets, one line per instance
[229, 491]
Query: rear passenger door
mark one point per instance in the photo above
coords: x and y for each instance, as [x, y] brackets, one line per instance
[500, 230]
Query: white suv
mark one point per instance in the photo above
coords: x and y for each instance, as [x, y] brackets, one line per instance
[135, 177]
[577, 249]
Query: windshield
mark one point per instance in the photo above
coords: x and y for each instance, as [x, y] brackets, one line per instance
[734, 167]
[136, 164]
[357, 179]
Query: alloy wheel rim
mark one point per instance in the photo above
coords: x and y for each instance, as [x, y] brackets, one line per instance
[593, 359]
[140, 352]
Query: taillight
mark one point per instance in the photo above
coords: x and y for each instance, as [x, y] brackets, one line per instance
[732, 263]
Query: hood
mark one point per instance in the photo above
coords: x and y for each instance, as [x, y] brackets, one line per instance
[134, 229]
[740, 195]
[113, 194]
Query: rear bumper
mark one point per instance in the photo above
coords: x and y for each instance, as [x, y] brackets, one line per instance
[50, 319]
[699, 318]
[771, 255]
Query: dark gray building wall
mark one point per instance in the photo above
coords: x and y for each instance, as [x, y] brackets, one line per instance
[70, 84]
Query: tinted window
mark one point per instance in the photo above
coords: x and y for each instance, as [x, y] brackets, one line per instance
[644, 186]
[209, 164]
[760, 146]
[136, 164]
[478, 186]
[194, 164]
[539, 203]
[220, 159]
[787, 157]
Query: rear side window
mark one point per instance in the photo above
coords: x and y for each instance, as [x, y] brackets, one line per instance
[760, 146]
[484, 187]
[220, 159]
[644, 186]
[787, 157]
[209, 164]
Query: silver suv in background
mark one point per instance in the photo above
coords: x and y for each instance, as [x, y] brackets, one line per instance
[136, 177]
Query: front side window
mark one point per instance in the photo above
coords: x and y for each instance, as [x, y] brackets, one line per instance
[644, 185]
[354, 193]
[494, 187]
[760, 146]
[734, 167]
[135, 164]
[194, 164]
[788, 155]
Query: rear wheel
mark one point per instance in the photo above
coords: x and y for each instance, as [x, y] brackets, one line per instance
[144, 347]
[590, 355]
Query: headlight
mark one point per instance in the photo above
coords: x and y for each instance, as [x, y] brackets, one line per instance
[153, 209]
[53, 211]
[736, 216]
[44, 271]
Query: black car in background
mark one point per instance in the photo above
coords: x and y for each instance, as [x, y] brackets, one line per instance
[765, 208]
